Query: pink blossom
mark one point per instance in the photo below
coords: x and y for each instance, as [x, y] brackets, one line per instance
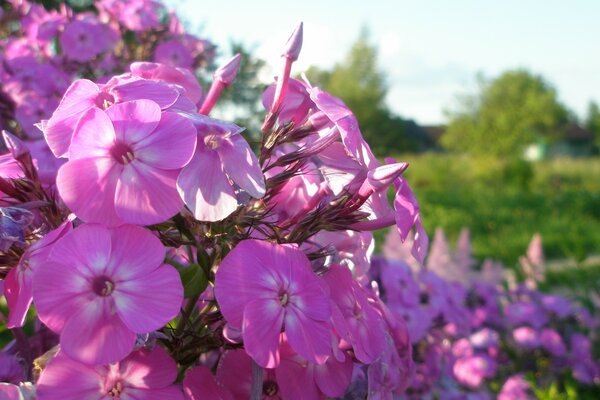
[551, 340]
[526, 337]
[124, 163]
[302, 380]
[354, 318]
[264, 289]
[11, 369]
[19, 281]
[97, 287]
[173, 53]
[223, 158]
[145, 374]
[168, 74]
[83, 39]
[84, 95]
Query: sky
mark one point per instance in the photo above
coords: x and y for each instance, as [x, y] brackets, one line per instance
[430, 51]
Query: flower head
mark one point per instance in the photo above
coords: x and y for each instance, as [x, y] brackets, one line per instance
[97, 287]
[265, 289]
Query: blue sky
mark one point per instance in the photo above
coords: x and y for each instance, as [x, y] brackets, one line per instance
[431, 51]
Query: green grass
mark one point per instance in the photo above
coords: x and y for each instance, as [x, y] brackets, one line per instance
[505, 202]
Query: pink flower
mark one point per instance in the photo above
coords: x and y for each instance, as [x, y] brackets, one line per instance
[124, 162]
[144, 374]
[84, 94]
[355, 320]
[223, 158]
[98, 286]
[19, 281]
[263, 289]
[84, 39]
[173, 53]
[168, 74]
[301, 380]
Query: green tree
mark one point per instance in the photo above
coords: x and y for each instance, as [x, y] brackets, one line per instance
[360, 83]
[592, 122]
[505, 115]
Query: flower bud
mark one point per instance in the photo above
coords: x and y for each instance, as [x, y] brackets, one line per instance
[17, 148]
[227, 72]
[294, 44]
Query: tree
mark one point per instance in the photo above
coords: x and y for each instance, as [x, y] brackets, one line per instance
[507, 114]
[592, 122]
[359, 82]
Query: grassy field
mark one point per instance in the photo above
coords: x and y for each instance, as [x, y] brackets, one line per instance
[505, 202]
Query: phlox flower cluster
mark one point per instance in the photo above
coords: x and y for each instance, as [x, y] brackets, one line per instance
[164, 258]
[477, 334]
[44, 50]
[155, 254]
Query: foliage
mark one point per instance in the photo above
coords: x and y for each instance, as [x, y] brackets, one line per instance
[560, 201]
[506, 114]
[593, 121]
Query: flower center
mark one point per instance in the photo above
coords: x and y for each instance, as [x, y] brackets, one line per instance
[284, 299]
[104, 100]
[116, 391]
[212, 141]
[103, 286]
[270, 388]
[122, 153]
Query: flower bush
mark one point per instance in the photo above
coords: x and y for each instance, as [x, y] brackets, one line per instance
[164, 258]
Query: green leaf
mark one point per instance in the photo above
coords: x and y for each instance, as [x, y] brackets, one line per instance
[194, 280]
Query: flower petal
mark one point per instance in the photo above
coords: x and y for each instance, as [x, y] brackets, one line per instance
[309, 338]
[334, 377]
[134, 120]
[64, 378]
[161, 93]
[263, 319]
[54, 306]
[146, 195]
[135, 252]
[242, 166]
[171, 145]
[94, 335]
[160, 291]
[87, 186]
[205, 189]
[93, 136]
[148, 369]
[79, 97]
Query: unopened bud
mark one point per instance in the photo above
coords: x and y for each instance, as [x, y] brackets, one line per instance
[17, 148]
[294, 44]
[382, 177]
[227, 72]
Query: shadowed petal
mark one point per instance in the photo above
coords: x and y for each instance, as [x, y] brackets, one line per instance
[263, 320]
[95, 336]
[160, 291]
[309, 338]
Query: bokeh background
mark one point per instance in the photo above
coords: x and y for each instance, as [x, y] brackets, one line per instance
[494, 105]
